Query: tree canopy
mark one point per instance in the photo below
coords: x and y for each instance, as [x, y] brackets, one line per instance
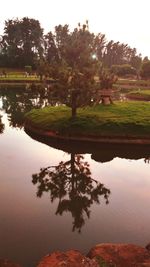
[24, 43]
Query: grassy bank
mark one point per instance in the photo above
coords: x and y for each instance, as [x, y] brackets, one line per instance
[120, 119]
[139, 95]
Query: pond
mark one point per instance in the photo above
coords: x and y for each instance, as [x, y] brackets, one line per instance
[58, 196]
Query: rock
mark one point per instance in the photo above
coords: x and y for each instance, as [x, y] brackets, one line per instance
[120, 255]
[71, 258]
[7, 263]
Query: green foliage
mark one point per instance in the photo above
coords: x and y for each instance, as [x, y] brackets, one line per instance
[22, 42]
[145, 70]
[123, 70]
[136, 62]
[1, 125]
[107, 79]
[115, 53]
[43, 69]
[74, 67]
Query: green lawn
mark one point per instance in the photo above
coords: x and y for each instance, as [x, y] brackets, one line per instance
[19, 78]
[140, 94]
[133, 82]
[119, 119]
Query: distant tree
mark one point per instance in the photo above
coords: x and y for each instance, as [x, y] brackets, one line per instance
[145, 70]
[100, 44]
[145, 59]
[116, 53]
[123, 70]
[22, 42]
[51, 54]
[1, 126]
[43, 68]
[136, 62]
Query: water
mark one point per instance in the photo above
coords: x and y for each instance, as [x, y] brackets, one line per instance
[62, 217]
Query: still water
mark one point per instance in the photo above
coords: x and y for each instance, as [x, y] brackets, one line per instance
[57, 196]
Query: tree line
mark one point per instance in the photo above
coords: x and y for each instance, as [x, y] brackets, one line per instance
[24, 43]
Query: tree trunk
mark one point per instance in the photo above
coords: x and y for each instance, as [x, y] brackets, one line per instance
[73, 172]
[74, 103]
[74, 111]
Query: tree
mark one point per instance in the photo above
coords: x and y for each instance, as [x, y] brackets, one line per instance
[116, 53]
[145, 70]
[51, 54]
[100, 43]
[1, 126]
[71, 183]
[22, 42]
[42, 68]
[123, 70]
[76, 68]
[17, 102]
[136, 62]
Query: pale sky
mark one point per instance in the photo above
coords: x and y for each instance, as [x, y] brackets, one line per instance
[126, 21]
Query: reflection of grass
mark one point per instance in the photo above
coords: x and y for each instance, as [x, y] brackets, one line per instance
[119, 119]
[1, 125]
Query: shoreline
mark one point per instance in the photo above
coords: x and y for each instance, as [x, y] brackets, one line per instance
[88, 139]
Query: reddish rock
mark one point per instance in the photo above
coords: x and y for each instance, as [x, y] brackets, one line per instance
[7, 263]
[121, 255]
[71, 258]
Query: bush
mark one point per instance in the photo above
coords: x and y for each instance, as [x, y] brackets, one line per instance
[123, 70]
[145, 70]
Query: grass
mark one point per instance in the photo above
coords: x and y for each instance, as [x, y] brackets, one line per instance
[19, 78]
[140, 94]
[133, 82]
[120, 119]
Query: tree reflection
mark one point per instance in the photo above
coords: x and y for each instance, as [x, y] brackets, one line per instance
[16, 101]
[1, 126]
[147, 160]
[71, 183]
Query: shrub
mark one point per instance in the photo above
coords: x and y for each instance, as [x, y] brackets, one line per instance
[123, 70]
[145, 70]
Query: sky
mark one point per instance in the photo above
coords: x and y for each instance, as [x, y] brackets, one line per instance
[124, 21]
